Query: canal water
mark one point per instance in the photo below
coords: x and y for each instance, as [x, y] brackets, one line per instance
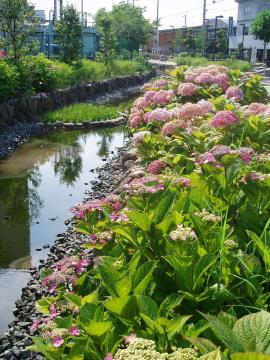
[38, 185]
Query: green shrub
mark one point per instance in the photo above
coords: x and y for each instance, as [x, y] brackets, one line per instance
[64, 74]
[203, 61]
[41, 73]
[9, 80]
[88, 70]
[191, 61]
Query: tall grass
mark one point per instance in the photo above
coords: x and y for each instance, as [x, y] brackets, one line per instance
[202, 61]
[86, 71]
[86, 112]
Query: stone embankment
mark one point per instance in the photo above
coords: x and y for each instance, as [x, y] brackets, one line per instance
[28, 109]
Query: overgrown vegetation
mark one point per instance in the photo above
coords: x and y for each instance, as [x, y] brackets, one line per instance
[181, 267]
[87, 112]
[37, 73]
[203, 61]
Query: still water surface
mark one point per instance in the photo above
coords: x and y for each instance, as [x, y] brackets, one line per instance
[38, 185]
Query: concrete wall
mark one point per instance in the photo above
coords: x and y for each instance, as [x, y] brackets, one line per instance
[29, 108]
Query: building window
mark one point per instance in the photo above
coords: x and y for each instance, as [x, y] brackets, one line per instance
[246, 30]
[247, 10]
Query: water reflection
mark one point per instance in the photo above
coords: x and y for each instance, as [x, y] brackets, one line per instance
[40, 182]
[23, 178]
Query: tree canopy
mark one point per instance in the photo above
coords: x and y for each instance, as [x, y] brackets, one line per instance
[261, 26]
[69, 34]
[107, 38]
[125, 27]
[19, 23]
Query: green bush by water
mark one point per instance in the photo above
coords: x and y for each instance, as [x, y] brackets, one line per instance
[86, 112]
[39, 74]
[202, 61]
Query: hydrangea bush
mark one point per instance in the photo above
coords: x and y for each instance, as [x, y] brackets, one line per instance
[181, 267]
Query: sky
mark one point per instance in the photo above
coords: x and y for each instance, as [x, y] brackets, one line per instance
[171, 12]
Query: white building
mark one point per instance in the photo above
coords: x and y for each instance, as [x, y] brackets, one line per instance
[247, 12]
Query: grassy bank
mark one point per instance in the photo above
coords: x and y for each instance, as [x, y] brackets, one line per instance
[202, 61]
[86, 112]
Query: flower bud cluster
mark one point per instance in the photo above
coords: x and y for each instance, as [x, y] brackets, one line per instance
[207, 216]
[183, 233]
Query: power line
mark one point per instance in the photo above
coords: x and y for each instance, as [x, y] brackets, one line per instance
[194, 9]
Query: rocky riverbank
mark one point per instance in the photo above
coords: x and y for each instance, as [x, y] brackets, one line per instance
[110, 177]
[14, 136]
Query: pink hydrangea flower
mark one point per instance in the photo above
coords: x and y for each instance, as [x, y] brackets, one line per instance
[220, 150]
[34, 326]
[253, 176]
[74, 331]
[163, 97]
[208, 158]
[206, 106]
[80, 214]
[187, 89]
[139, 136]
[145, 185]
[234, 92]
[171, 127]
[146, 86]
[255, 109]
[157, 114]
[222, 80]
[204, 78]
[135, 121]
[190, 111]
[160, 83]
[149, 95]
[183, 181]
[224, 118]
[57, 341]
[130, 338]
[246, 154]
[140, 103]
[109, 356]
[156, 166]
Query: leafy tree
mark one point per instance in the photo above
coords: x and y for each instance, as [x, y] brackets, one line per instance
[189, 41]
[239, 53]
[131, 28]
[19, 23]
[69, 34]
[107, 38]
[261, 28]
[201, 40]
[222, 41]
[178, 39]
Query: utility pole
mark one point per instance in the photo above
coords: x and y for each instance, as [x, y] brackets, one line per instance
[82, 10]
[157, 31]
[55, 11]
[185, 17]
[204, 26]
[61, 8]
[204, 13]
